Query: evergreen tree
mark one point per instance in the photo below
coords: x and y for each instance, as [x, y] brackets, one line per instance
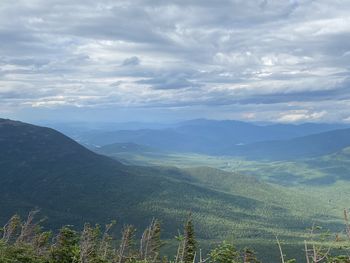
[190, 243]
[89, 244]
[124, 253]
[150, 242]
[249, 256]
[224, 253]
[66, 249]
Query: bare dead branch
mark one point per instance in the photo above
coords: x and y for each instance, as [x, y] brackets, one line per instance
[280, 249]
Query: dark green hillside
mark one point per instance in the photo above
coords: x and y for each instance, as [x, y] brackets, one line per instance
[42, 167]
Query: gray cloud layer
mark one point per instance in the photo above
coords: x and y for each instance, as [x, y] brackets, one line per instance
[255, 59]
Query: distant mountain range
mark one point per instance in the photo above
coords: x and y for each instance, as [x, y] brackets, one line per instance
[278, 141]
[297, 148]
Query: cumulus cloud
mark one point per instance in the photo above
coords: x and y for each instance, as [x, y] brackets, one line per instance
[219, 57]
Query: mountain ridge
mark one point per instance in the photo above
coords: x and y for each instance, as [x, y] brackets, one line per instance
[301, 147]
[204, 136]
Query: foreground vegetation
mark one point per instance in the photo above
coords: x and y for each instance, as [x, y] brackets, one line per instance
[26, 242]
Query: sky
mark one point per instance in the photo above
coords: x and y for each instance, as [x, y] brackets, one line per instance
[152, 60]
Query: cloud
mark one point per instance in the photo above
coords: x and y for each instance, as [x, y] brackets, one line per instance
[169, 81]
[132, 61]
[301, 116]
[243, 55]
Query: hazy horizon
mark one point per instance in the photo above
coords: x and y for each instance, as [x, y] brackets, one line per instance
[160, 123]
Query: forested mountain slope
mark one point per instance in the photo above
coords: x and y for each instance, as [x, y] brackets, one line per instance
[40, 167]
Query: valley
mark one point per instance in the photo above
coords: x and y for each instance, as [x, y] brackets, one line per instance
[230, 197]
